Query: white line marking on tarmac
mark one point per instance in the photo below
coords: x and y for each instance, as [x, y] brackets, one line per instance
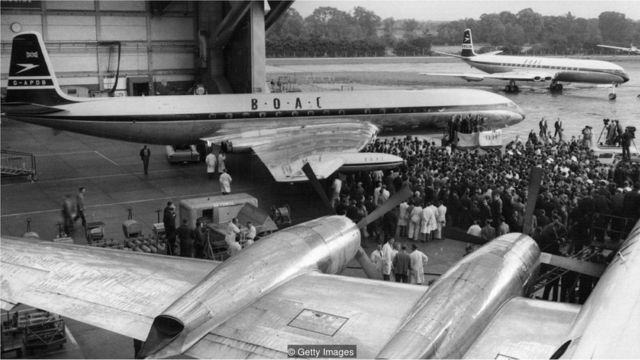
[63, 153]
[186, 196]
[106, 158]
[40, 181]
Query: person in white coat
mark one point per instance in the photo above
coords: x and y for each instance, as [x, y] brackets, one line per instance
[418, 264]
[221, 158]
[403, 218]
[211, 162]
[441, 217]
[376, 258]
[428, 223]
[225, 182]
[414, 222]
[388, 254]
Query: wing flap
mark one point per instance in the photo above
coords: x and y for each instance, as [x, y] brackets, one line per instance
[525, 329]
[113, 289]
[314, 309]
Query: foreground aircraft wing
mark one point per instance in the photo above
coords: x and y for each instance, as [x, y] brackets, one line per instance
[512, 75]
[313, 309]
[524, 329]
[284, 150]
[113, 289]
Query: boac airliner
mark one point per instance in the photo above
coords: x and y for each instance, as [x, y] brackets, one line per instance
[529, 68]
[326, 130]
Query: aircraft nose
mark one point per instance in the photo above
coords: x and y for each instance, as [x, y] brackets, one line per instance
[516, 116]
[625, 77]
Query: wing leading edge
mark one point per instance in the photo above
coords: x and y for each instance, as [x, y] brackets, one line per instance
[113, 289]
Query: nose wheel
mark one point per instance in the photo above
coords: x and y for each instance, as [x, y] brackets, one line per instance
[612, 93]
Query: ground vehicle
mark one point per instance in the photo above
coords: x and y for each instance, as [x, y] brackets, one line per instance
[182, 153]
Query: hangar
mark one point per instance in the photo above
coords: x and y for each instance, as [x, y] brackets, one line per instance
[148, 47]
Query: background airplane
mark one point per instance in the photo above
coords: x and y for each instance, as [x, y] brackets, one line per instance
[285, 130]
[283, 291]
[529, 68]
[631, 49]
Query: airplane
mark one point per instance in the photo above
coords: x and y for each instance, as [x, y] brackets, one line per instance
[284, 291]
[529, 68]
[631, 49]
[285, 130]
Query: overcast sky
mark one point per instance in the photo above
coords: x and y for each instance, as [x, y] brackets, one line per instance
[459, 9]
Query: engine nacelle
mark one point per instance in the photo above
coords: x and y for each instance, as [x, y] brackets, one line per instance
[326, 244]
[454, 311]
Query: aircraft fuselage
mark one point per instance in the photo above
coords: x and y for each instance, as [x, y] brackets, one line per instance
[185, 119]
[567, 70]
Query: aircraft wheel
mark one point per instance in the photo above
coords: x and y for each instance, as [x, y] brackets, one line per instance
[516, 88]
[612, 96]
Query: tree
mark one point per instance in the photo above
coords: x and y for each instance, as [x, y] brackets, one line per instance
[387, 31]
[410, 27]
[331, 23]
[492, 29]
[367, 22]
[531, 23]
[289, 24]
[615, 28]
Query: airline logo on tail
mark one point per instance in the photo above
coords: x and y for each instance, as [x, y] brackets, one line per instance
[30, 78]
[27, 67]
[467, 44]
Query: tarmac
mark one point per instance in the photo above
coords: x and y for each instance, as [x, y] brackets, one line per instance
[112, 173]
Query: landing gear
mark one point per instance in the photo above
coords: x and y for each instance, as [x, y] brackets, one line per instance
[555, 87]
[511, 87]
[612, 94]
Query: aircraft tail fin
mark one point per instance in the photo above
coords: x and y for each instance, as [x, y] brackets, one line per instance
[31, 77]
[467, 44]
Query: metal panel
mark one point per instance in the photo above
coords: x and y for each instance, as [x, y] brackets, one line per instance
[166, 61]
[171, 28]
[71, 27]
[123, 5]
[123, 28]
[318, 321]
[28, 22]
[70, 5]
[73, 62]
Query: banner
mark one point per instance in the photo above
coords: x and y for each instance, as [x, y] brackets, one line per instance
[468, 140]
[490, 138]
[480, 139]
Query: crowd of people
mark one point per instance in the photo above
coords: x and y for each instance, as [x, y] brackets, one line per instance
[485, 191]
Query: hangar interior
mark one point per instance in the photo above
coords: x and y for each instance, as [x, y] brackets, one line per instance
[151, 47]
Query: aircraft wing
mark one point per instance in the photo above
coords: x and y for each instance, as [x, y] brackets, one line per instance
[629, 49]
[113, 289]
[512, 75]
[313, 309]
[525, 329]
[284, 150]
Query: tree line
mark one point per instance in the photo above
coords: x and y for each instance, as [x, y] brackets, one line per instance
[334, 33]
